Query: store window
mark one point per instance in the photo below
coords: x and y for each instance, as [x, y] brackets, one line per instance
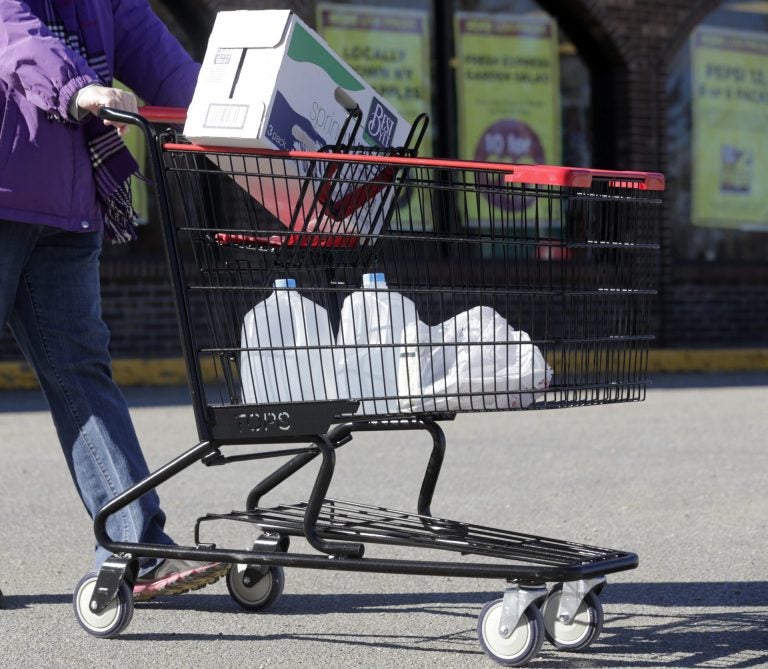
[522, 91]
[391, 45]
[499, 79]
[418, 52]
[717, 123]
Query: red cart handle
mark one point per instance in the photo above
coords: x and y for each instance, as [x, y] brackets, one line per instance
[578, 177]
[175, 115]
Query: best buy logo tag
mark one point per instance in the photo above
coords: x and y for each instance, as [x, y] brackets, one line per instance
[380, 124]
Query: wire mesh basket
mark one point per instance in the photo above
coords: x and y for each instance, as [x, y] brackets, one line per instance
[499, 287]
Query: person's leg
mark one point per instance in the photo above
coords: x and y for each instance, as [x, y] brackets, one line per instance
[16, 242]
[50, 291]
[57, 322]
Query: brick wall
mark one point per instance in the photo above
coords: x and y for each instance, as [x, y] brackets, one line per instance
[716, 313]
[140, 310]
[627, 44]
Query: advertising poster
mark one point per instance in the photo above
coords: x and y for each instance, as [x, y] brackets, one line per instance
[508, 88]
[389, 48]
[136, 143]
[730, 125]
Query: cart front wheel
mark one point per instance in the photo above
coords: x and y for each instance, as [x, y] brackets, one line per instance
[521, 646]
[581, 631]
[255, 588]
[109, 622]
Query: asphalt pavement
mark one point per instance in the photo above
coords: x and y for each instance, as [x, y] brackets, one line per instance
[679, 479]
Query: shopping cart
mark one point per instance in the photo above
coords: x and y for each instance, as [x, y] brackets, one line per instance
[487, 287]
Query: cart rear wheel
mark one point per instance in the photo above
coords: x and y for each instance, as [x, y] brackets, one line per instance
[253, 590]
[109, 622]
[522, 645]
[581, 631]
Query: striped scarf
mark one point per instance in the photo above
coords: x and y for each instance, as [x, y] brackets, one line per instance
[112, 163]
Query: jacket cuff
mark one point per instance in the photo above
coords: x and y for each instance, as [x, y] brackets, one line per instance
[67, 95]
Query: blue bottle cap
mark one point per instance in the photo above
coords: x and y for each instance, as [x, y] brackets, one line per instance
[285, 283]
[374, 280]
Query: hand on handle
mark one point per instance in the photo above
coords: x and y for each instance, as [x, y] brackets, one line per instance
[93, 97]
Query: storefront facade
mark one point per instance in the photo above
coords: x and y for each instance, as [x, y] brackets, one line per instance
[675, 86]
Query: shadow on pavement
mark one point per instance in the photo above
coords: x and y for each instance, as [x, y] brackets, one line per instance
[721, 624]
[708, 380]
[721, 595]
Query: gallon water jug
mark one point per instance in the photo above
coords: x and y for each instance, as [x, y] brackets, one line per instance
[286, 344]
[369, 345]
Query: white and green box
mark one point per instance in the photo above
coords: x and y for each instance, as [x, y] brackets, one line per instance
[269, 81]
[266, 74]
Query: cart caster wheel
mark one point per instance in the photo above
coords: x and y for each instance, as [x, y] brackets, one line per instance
[581, 631]
[523, 644]
[255, 594]
[109, 622]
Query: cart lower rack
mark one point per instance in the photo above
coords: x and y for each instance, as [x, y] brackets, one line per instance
[350, 521]
[357, 289]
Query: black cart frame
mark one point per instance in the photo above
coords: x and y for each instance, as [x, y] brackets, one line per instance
[564, 257]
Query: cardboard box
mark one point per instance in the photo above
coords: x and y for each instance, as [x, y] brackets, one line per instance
[269, 81]
[267, 75]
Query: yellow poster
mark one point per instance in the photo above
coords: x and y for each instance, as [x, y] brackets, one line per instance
[136, 142]
[389, 48]
[730, 126]
[508, 89]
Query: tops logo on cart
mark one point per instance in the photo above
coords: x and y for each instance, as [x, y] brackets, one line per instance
[380, 125]
[267, 421]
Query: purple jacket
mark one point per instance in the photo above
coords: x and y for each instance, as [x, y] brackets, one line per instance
[45, 171]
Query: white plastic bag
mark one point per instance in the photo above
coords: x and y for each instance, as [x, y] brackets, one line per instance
[473, 361]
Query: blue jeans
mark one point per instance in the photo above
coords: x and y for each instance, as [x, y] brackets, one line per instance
[50, 297]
